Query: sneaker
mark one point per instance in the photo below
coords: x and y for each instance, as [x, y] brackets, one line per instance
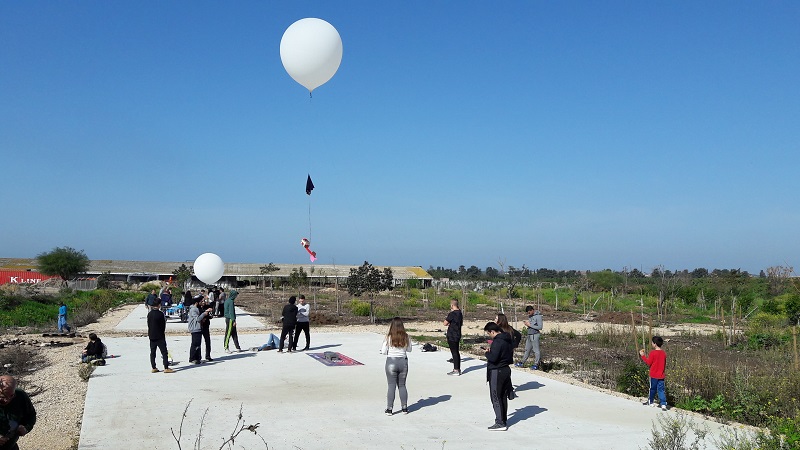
[197, 362]
[155, 370]
[498, 427]
[168, 370]
[655, 405]
[388, 412]
[253, 349]
[534, 367]
[239, 350]
[646, 403]
[450, 360]
[192, 361]
[405, 410]
[209, 359]
[663, 407]
[455, 373]
[228, 351]
[280, 351]
[518, 365]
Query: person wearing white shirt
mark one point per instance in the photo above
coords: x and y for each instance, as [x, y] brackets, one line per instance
[395, 346]
[303, 322]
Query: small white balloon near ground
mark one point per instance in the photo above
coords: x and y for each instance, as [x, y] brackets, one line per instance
[208, 268]
[311, 51]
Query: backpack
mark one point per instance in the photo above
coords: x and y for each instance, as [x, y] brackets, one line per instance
[428, 347]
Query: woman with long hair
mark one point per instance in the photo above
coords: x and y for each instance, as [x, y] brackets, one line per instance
[516, 336]
[395, 346]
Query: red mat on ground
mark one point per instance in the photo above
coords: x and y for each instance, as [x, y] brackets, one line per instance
[341, 361]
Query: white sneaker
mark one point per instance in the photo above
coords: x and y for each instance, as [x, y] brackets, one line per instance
[663, 407]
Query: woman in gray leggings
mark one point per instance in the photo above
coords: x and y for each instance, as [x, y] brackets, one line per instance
[395, 346]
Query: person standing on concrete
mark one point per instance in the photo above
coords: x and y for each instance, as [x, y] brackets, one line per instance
[289, 318]
[17, 414]
[197, 331]
[156, 328]
[534, 324]
[303, 322]
[453, 323]
[221, 302]
[205, 326]
[62, 319]
[151, 299]
[395, 346]
[230, 322]
[498, 373]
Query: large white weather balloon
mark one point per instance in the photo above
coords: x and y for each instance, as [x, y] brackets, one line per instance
[208, 268]
[311, 51]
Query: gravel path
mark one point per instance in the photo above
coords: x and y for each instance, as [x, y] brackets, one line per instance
[60, 403]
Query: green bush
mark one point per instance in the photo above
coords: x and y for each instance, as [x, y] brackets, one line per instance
[359, 308]
[441, 303]
[634, 379]
[149, 287]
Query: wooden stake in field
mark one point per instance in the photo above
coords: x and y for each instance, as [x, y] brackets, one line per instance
[634, 333]
[794, 339]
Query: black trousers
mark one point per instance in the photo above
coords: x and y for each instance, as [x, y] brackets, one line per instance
[301, 326]
[161, 345]
[499, 388]
[194, 349]
[207, 339]
[287, 331]
[456, 354]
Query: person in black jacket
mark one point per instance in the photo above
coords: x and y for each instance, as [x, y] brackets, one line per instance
[156, 327]
[498, 373]
[453, 323]
[17, 414]
[93, 350]
[289, 321]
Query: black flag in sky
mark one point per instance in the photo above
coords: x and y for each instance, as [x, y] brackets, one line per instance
[309, 185]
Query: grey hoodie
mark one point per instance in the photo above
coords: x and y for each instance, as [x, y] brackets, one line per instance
[536, 323]
[194, 319]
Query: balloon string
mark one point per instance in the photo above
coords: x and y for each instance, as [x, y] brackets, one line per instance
[309, 217]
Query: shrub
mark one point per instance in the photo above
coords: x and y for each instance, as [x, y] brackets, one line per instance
[359, 308]
[85, 371]
[147, 287]
[674, 432]
[84, 316]
[634, 378]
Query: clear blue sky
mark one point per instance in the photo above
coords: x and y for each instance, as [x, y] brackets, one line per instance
[567, 135]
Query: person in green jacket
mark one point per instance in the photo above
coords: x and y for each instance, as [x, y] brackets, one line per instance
[17, 414]
[230, 321]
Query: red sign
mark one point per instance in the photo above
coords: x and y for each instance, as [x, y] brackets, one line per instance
[22, 277]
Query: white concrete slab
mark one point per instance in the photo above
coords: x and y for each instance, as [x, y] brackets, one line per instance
[137, 321]
[301, 403]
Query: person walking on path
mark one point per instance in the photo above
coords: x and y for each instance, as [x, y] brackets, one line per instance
[156, 327]
[534, 324]
[17, 414]
[303, 322]
[197, 331]
[289, 318]
[453, 323]
[62, 319]
[230, 322]
[657, 360]
[395, 346]
[498, 373]
[151, 300]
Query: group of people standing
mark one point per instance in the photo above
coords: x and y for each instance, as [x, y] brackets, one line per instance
[503, 339]
[295, 319]
[200, 312]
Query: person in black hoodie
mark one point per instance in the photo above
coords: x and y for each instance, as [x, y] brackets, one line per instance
[156, 327]
[498, 373]
[453, 323]
[289, 321]
[93, 350]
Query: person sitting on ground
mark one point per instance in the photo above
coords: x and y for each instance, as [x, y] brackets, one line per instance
[273, 342]
[95, 349]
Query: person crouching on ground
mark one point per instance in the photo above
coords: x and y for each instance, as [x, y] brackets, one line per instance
[197, 331]
[498, 373]
[93, 350]
[657, 360]
[395, 346]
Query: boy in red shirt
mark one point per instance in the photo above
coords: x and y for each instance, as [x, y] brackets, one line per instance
[657, 360]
